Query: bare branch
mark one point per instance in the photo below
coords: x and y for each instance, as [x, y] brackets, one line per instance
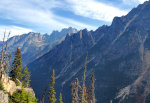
[5, 57]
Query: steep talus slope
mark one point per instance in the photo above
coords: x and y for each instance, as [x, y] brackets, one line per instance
[119, 55]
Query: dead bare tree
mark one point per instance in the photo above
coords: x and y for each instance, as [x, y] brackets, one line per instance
[5, 57]
[75, 86]
[91, 93]
[43, 95]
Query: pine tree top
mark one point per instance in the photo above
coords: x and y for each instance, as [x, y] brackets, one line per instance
[18, 53]
[52, 92]
[53, 77]
[60, 99]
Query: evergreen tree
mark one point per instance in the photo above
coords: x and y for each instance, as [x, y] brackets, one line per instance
[31, 98]
[52, 93]
[60, 98]
[16, 72]
[26, 77]
[23, 96]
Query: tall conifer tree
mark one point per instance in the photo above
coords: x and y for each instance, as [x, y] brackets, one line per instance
[16, 72]
[52, 93]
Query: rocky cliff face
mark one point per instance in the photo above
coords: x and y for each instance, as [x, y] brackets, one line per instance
[119, 55]
[34, 45]
[9, 85]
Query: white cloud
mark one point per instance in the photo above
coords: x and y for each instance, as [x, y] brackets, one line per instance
[133, 2]
[37, 14]
[94, 9]
[29, 13]
[14, 30]
[142, 1]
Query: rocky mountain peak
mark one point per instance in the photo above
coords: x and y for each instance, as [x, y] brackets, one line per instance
[33, 45]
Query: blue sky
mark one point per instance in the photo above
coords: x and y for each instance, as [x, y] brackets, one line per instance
[44, 16]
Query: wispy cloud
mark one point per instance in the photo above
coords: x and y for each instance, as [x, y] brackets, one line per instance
[29, 13]
[94, 9]
[14, 30]
[37, 14]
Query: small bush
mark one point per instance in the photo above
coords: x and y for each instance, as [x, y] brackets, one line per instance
[23, 97]
[10, 99]
[17, 82]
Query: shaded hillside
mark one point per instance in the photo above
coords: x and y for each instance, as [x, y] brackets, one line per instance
[118, 54]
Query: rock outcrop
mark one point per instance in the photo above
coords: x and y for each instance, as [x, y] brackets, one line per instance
[10, 86]
[3, 97]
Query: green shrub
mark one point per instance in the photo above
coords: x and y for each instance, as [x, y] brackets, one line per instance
[10, 99]
[23, 97]
[17, 82]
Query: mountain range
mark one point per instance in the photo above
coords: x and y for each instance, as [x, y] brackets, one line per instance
[34, 45]
[118, 54]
